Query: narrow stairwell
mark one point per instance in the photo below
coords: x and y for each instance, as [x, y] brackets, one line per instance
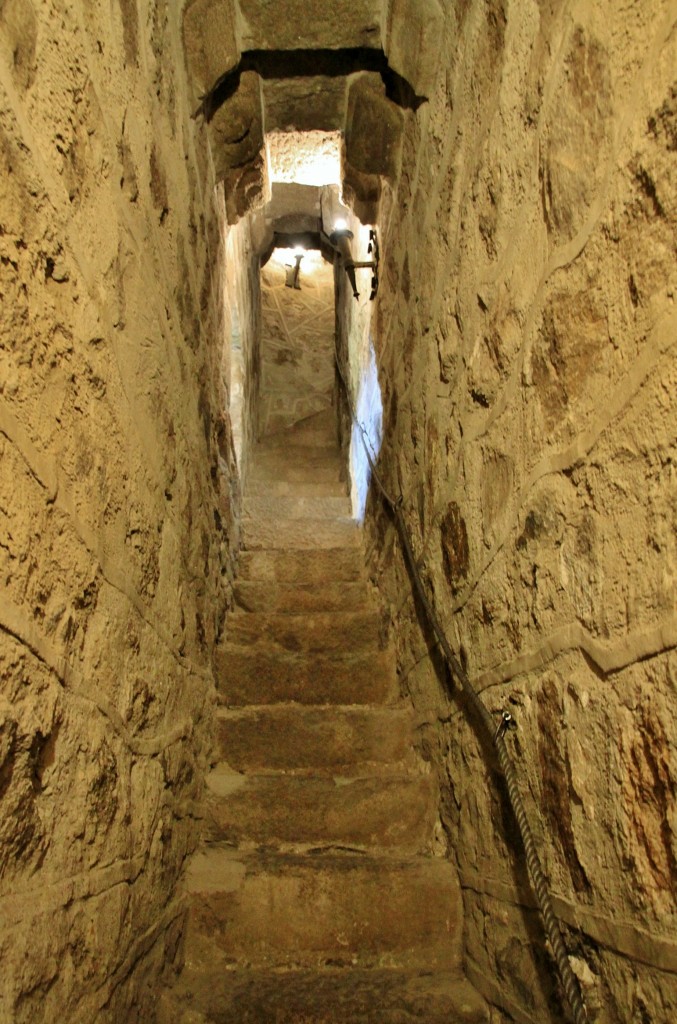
[314, 898]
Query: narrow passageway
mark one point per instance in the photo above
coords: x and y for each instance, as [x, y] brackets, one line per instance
[314, 896]
[276, 744]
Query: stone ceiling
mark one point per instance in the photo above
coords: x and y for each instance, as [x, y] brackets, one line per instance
[351, 66]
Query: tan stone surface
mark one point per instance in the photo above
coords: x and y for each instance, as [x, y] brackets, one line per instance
[319, 822]
[324, 739]
[210, 40]
[414, 38]
[347, 993]
[116, 511]
[315, 103]
[298, 533]
[344, 631]
[259, 507]
[304, 911]
[264, 596]
[298, 24]
[308, 158]
[263, 677]
[298, 464]
[304, 567]
[525, 338]
[525, 334]
[384, 811]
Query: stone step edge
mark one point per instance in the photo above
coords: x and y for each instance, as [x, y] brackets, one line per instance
[370, 615]
[369, 647]
[240, 779]
[241, 710]
[298, 851]
[451, 998]
[320, 857]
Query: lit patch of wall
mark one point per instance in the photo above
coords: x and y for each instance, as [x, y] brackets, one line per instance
[307, 158]
[370, 418]
[312, 262]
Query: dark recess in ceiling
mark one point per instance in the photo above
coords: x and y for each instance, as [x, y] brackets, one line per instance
[280, 64]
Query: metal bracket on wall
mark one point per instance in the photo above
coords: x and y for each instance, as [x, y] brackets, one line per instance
[376, 255]
[372, 263]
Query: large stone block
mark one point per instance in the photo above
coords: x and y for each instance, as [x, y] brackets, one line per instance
[325, 739]
[314, 103]
[373, 128]
[310, 24]
[378, 811]
[249, 676]
[577, 139]
[364, 910]
[236, 129]
[413, 39]
[210, 41]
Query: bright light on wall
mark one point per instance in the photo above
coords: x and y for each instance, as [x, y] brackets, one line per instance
[312, 258]
[307, 158]
[370, 415]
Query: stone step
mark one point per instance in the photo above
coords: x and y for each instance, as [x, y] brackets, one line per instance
[296, 508]
[314, 911]
[295, 465]
[317, 632]
[330, 996]
[328, 565]
[299, 533]
[320, 430]
[291, 737]
[300, 599]
[278, 454]
[296, 437]
[253, 676]
[373, 811]
[265, 487]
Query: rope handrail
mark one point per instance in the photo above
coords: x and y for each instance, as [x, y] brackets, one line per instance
[495, 736]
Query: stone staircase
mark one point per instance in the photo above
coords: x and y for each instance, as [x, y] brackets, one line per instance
[314, 898]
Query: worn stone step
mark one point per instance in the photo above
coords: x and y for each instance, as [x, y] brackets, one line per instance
[299, 533]
[393, 812]
[327, 565]
[292, 737]
[316, 632]
[264, 487]
[270, 507]
[299, 599]
[253, 676]
[320, 430]
[295, 465]
[330, 996]
[285, 440]
[310, 911]
[311, 448]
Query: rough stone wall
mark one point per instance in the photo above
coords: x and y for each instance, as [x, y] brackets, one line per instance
[525, 331]
[115, 503]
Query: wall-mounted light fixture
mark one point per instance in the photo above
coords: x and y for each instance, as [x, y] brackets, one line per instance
[340, 239]
[292, 278]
